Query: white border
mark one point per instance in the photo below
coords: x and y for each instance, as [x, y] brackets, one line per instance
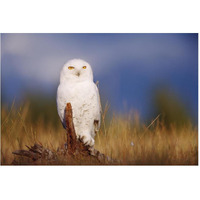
[100, 182]
[99, 16]
[124, 182]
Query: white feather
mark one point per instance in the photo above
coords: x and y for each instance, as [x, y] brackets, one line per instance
[83, 95]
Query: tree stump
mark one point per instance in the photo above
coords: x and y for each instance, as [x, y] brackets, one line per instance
[75, 151]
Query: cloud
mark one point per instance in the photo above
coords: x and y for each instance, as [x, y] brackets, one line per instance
[40, 57]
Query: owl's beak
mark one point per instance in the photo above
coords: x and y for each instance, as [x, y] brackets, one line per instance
[78, 74]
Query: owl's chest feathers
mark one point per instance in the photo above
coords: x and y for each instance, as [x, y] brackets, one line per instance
[81, 95]
[81, 92]
[83, 98]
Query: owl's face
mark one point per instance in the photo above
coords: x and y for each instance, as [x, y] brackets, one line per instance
[76, 70]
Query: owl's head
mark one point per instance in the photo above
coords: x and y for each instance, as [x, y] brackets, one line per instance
[76, 70]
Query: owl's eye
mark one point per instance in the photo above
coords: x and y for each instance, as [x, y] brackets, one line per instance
[70, 67]
[84, 67]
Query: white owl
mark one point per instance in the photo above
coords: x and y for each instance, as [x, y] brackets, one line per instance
[77, 87]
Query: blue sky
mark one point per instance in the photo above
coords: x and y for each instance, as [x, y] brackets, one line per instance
[128, 66]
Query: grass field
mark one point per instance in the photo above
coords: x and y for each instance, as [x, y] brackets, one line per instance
[123, 137]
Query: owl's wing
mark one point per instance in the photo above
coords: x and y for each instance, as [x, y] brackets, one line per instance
[61, 104]
[97, 120]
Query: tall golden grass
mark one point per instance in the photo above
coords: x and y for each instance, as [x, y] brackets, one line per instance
[123, 138]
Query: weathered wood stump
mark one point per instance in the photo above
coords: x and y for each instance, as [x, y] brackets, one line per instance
[75, 153]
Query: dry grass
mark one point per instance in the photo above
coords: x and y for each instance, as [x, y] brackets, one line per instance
[123, 138]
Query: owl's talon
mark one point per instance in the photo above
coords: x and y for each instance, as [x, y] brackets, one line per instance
[87, 140]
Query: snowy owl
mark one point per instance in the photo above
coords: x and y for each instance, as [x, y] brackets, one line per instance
[77, 87]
